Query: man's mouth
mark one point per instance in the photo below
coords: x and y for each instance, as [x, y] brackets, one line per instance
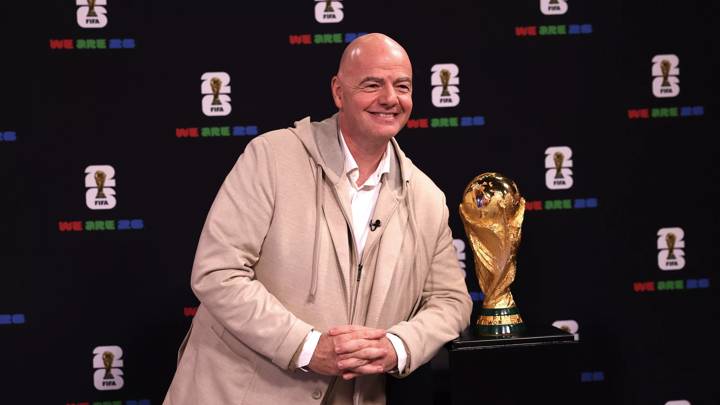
[383, 114]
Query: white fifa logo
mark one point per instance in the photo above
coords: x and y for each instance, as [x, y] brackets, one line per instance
[100, 183]
[558, 161]
[665, 72]
[107, 363]
[91, 13]
[445, 81]
[671, 245]
[328, 11]
[215, 88]
[553, 7]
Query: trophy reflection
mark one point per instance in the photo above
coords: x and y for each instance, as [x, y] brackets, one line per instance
[100, 177]
[91, 9]
[558, 159]
[107, 359]
[492, 211]
[215, 84]
[665, 70]
[445, 81]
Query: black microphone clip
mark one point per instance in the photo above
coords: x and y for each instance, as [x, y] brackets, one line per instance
[374, 225]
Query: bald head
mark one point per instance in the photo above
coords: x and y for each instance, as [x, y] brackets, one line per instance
[371, 46]
[373, 91]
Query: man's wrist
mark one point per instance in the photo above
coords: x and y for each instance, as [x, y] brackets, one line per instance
[400, 352]
[308, 349]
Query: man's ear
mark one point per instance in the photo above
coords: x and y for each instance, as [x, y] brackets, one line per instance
[336, 92]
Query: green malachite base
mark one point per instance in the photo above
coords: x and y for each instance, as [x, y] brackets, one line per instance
[494, 325]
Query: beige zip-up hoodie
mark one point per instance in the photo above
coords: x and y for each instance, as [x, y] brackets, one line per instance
[276, 258]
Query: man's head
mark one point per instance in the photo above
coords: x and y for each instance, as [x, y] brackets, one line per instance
[373, 88]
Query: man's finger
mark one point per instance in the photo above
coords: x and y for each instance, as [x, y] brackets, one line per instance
[356, 332]
[369, 353]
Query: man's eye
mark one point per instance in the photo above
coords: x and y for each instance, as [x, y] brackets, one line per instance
[404, 89]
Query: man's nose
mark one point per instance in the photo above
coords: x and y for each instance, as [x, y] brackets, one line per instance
[388, 95]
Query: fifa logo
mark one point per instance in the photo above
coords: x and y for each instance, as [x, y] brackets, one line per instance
[91, 13]
[216, 87]
[665, 71]
[445, 83]
[328, 11]
[553, 7]
[107, 362]
[100, 194]
[558, 161]
[670, 246]
[570, 326]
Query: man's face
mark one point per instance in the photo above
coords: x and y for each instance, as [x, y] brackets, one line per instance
[374, 93]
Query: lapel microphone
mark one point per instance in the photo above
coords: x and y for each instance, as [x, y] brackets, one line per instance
[374, 225]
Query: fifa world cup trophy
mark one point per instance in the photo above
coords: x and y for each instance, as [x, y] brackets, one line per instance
[215, 84]
[665, 70]
[558, 159]
[91, 9]
[492, 212]
[107, 359]
[445, 80]
[100, 177]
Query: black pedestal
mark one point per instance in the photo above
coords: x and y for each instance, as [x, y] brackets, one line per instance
[535, 367]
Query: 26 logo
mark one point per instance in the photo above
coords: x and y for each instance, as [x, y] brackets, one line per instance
[91, 13]
[100, 194]
[558, 161]
[670, 244]
[445, 83]
[216, 88]
[107, 363]
[328, 11]
[665, 71]
[553, 7]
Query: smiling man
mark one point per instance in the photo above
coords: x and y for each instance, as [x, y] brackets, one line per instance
[326, 261]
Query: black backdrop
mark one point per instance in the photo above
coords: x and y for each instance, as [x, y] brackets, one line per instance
[64, 293]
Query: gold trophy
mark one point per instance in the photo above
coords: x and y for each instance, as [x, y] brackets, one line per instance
[328, 6]
[665, 70]
[215, 84]
[445, 79]
[492, 212]
[108, 358]
[100, 177]
[558, 158]
[670, 240]
[91, 11]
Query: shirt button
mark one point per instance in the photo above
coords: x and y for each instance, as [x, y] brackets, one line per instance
[316, 394]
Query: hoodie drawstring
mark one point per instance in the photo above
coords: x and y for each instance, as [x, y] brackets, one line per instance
[319, 198]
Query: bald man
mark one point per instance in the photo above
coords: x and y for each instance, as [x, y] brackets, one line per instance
[326, 261]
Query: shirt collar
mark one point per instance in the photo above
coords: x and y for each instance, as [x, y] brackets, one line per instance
[353, 172]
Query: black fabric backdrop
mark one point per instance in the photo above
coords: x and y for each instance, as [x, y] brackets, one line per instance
[64, 293]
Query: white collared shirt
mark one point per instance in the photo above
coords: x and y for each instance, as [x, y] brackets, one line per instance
[363, 199]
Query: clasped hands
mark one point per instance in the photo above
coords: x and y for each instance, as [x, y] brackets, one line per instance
[352, 350]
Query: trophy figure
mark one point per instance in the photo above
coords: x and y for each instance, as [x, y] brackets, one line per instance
[107, 359]
[492, 212]
[328, 6]
[558, 158]
[215, 84]
[445, 79]
[665, 70]
[100, 177]
[670, 240]
[91, 11]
